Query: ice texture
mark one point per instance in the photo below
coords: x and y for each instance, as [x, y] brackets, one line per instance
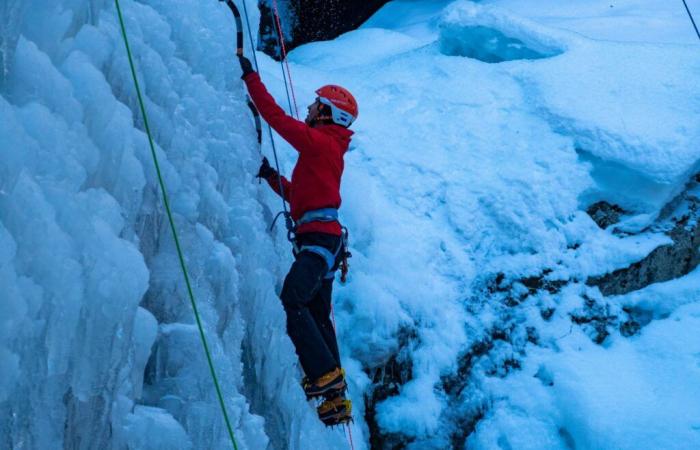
[485, 131]
[98, 347]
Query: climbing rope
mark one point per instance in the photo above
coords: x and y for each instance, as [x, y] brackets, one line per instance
[284, 74]
[692, 20]
[352, 445]
[284, 56]
[173, 229]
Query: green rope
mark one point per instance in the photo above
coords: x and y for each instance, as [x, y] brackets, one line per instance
[172, 227]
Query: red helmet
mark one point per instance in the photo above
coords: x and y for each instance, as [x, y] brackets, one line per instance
[343, 105]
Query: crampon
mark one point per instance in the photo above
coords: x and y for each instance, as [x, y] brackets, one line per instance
[330, 385]
[336, 411]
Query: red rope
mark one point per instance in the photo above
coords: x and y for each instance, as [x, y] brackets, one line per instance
[352, 446]
[284, 55]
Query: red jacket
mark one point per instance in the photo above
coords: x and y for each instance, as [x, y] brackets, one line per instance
[315, 180]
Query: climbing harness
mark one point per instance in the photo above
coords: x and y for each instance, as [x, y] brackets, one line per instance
[166, 202]
[323, 215]
[328, 256]
[319, 215]
[692, 20]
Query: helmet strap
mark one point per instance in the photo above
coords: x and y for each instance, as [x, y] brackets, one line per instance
[325, 116]
[324, 120]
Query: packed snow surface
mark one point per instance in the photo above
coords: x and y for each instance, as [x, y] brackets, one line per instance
[485, 130]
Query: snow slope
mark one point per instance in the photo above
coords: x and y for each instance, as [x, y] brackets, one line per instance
[485, 131]
[468, 171]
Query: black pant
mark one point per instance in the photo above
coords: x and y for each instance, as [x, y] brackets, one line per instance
[306, 296]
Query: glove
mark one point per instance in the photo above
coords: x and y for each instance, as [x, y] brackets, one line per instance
[246, 66]
[266, 171]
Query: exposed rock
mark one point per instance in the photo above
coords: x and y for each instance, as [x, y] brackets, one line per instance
[664, 263]
[386, 382]
[306, 21]
[518, 290]
[605, 214]
[502, 350]
[630, 328]
[497, 355]
[596, 319]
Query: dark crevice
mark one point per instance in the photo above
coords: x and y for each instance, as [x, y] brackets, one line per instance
[305, 21]
[605, 214]
[387, 380]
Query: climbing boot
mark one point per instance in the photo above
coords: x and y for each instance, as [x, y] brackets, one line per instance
[329, 385]
[336, 411]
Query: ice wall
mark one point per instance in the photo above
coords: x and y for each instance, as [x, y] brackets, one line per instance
[98, 347]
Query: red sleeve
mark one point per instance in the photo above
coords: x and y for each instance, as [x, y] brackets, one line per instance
[296, 132]
[275, 185]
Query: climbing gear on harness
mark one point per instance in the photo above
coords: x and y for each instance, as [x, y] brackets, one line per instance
[343, 105]
[344, 265]
[336, 411]
[329, 385]
[171, 221]
[288, 223]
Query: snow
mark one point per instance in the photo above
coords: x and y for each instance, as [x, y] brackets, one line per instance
[637, 393]
[463, 169]
[485, 130]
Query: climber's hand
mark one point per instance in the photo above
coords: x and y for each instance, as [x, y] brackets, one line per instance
[246, 65]
[266, 171]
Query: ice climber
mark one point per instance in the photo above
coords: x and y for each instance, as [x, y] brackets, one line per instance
[319, 245]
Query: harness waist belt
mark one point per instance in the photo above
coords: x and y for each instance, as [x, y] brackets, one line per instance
[328, 256]
[319, 215]
[324, 253]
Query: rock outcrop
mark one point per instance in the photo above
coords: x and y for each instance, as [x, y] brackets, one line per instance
[305, 21]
